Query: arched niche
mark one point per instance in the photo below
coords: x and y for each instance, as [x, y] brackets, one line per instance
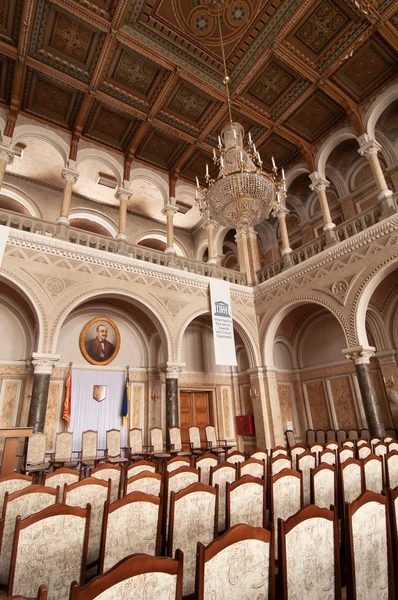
[380, 313]
[39, 162]
[388, 123]
[14, 199]
[18, 325]
[158, 241]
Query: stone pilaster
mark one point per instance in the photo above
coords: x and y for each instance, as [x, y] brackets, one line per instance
[281, 213]
[169, 210]
[360, 356]
[6, 157]
[43, 365]
[172, 372]
[69, 176]
[266, 408]
[210, 225]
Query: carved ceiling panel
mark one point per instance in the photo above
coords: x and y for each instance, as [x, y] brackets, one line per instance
[10, 15]
[160, 149]
[315, 116]
[104, 8]
[110, 127]
[369, 67]
[6, 75]
[50, 99]
[279, 148]
[196, 166]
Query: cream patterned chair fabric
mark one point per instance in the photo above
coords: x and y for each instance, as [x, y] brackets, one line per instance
[235, 457]
[260, 455]
[137, 577]
[49, 550]
[332, 445]
[278, 451]
[63, 450]
[328, 457]
[94, 492]
[306, 462]
[135, 443]
[212, 442]
[367, 548]
[112, 472]
[113, 451]
[139, 467]
[348, 444]
[295, 452]
[221, 475]
[351, 480]
[177, 463]
[345, 453]
[205, 462]
[175, 440]
[13, 483]
[253, 467]
[237, 565]
[23, 503]
[373, 474]
[309, 561]
[246, 502]
[89, 448]
[279, 463]
[157, 443]
[131, 526]
[392, 469]
[61, 478]
[36, 454]
[316, 449]
[393, 446]
[374, 441]
[364, 451]
[193, 519]
[380, 449]
[145, 482]
[194, 439]
[286, 497]
[175, 482]
[323, 486]
[362, 442]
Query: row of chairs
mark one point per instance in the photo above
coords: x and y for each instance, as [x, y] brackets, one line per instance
[337, 435]
[51, 548]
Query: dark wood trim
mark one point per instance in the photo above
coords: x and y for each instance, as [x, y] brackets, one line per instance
[143, 475]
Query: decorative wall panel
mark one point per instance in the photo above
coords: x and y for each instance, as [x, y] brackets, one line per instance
[286, 399]
[317, 404]
[343, 402]
[9, 400]
[137, 405]
[227, 413]
[52, 424]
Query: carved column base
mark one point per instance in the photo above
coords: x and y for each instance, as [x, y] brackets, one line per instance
[387, 203]
[62, 232]
[330, 235]
[122, 245]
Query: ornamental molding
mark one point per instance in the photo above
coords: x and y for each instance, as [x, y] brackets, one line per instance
[101, 258]
[360, 355]
[43, 364]
[326, 257]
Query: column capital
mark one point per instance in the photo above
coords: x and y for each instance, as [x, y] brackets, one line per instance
[208, 222]
[281, 211]
[68, 174]
[6, 154]
[169, 210]
[318, 183]
[359, 355]
[43, 364]
[367, 146]
[172, 369]
[123, 194]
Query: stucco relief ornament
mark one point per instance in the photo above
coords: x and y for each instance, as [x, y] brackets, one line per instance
[339, 287]
[392, 393]
[55, 285]
[173, 307]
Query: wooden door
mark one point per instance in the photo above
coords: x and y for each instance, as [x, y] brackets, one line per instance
[194, 411]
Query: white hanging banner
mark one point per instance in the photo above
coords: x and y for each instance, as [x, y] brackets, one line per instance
[223, 329]
[3, 241]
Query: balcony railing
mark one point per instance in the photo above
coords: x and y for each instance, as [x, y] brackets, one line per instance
[343, 232]
[107, 244]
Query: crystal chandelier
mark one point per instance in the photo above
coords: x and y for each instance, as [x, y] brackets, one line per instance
[243, 194]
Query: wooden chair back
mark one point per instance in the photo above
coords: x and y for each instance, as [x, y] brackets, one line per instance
[13, 483]
[286, 497]
[221, 475]
[62, 477]
[351, 480]
[235, 457]
[327, 457]
[63, 446]
[107, 472]
[246, 502]
[373, 473]
[253, 467]
[279, 463]
[139, 467]
[145, 482]
[392, 469]
[205, 462]
[324, 486]
[176, 463]
[89, 445]
[320, 436]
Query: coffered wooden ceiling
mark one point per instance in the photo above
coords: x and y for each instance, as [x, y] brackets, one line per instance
[144, 77]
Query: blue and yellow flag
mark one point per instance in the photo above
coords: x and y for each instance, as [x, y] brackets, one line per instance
[126, 400]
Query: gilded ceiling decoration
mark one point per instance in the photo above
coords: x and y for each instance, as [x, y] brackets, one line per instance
[145, 77]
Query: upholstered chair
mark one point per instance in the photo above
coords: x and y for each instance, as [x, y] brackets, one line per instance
[380, 449]
[37, 459]
[158, 447]
[246, 502]
[308, 555]
[286, 497]
[193, 519]
[278, 451]
[221, 475]
[295, 451]
[94, 492]
[50, 548]
[62, 456]
[205, 462]
[112, 472]
[368, 548]
[306, 462]
[392, 469]
[237, 565]
[62, 477]
[213, 444]
[352, 434]
[139, 467]
[145, 482]
[23, 503]
[133, 577]
[136, 450]
[373, 476]
[175, 482]
[320, 436]
[252, 466]
[13, 483]
[195, 441]
[235, 457]
[176, 463]
[344, 453]
[131, 526]
[89, 451]
[175, 442]
[279, 463]
[364, 451]
[113, 451]
[324, 486]
[332, 445]
[328, 457]
[351, 480]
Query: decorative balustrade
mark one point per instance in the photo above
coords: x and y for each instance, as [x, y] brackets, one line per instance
[108, 244]
[343, 232]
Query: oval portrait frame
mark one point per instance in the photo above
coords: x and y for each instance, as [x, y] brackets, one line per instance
[82, 340]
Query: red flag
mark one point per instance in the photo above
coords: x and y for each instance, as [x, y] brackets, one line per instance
[67, 400]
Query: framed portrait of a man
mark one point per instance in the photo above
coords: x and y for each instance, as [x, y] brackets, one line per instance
[99, 341]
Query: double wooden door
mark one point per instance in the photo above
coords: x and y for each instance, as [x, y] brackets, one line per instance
[194, 411]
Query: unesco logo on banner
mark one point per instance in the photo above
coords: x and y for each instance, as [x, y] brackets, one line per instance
[221, 310]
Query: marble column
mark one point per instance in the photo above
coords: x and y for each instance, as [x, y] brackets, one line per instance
[69, 176]
[281, 212]
[172, 371]
[6, 158]
[320, 185]
[169, 210]
[249, 258]
[210, 225]
[360, 356]
[43, 365]
[123, 194]
[370, 149]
